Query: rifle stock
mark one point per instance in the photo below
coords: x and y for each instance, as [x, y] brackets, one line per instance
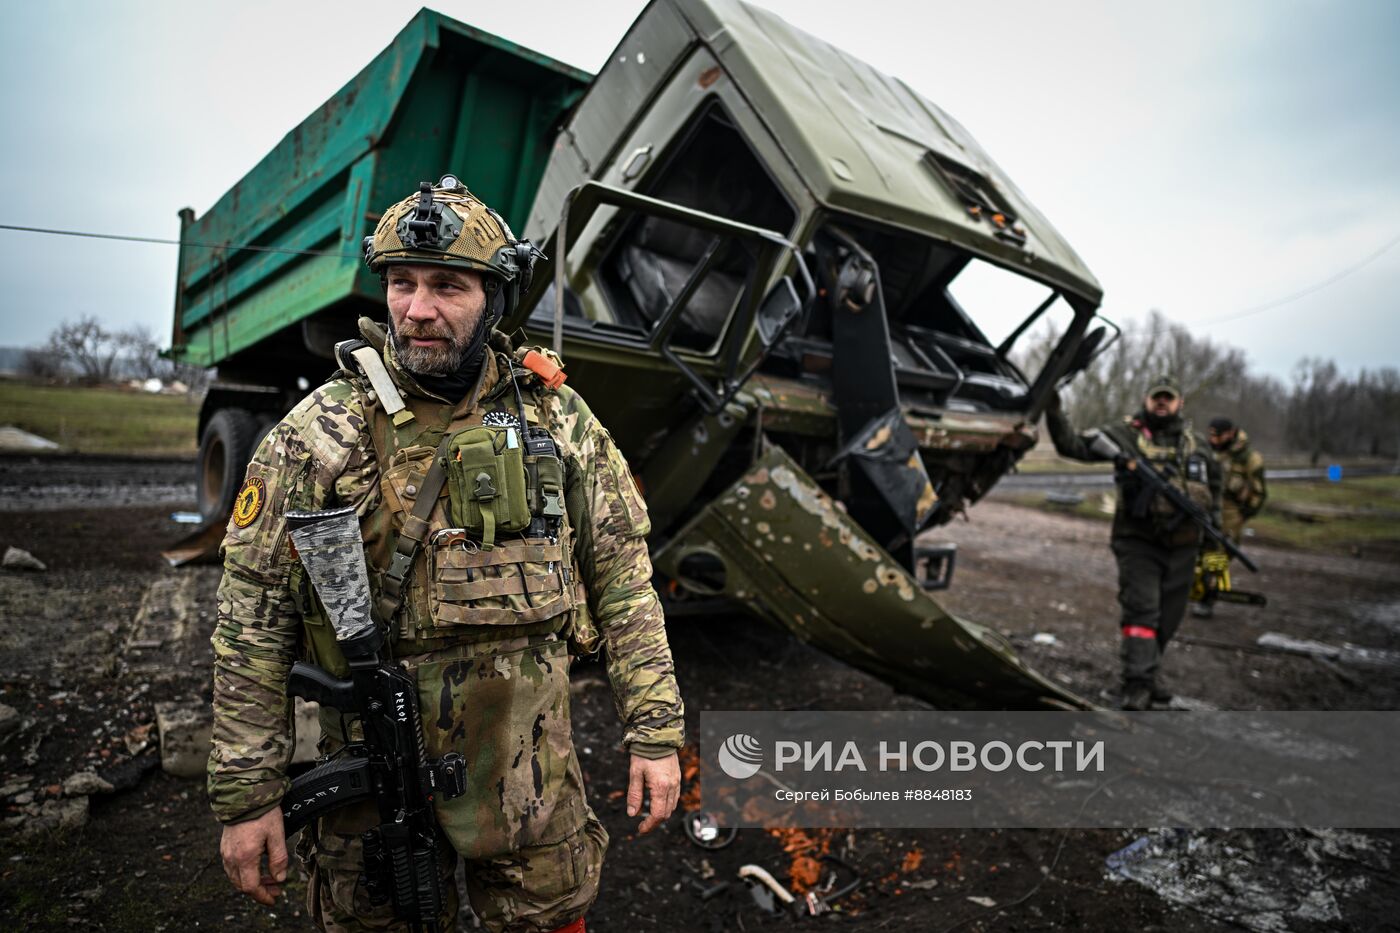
[390, 764]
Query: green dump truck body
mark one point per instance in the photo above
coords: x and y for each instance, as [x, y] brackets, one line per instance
[756, 296]
[441, 94]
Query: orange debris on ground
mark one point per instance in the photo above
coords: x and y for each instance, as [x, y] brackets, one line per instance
[806, 847]
[912, 860]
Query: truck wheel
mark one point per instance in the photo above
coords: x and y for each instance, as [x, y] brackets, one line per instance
[224, 451]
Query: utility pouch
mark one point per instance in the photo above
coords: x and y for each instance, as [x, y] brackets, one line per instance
[486, 482]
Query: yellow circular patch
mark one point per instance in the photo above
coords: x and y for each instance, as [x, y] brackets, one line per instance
[249, 503]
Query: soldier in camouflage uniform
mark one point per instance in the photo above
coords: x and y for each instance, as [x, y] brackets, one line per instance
[1243, 470]
[1154, 544]
[486, 619]
[1243, 495]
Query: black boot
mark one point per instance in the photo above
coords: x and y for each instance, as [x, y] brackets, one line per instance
[1161, 696]
[1137, 696]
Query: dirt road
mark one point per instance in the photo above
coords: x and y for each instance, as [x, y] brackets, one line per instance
[79, 670]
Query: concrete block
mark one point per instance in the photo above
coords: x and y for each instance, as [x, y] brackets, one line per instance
[185, 733]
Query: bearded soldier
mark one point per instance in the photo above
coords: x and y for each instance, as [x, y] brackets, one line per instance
[1154, 543]
[528, 538]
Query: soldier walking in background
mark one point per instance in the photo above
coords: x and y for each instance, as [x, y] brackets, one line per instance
[501, 526]
[1242, 467]
[1153, 542]
[1242, 495]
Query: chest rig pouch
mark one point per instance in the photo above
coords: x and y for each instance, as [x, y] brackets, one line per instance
[503, 559]
[1184, 467]
[486, 482]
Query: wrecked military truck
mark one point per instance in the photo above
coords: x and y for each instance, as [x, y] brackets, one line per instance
[773, 272]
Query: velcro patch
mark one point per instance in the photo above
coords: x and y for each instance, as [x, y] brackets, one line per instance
[249, 502]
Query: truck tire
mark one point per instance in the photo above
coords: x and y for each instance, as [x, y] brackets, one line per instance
[224, 451]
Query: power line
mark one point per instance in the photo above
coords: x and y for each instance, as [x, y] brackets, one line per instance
[1304, 292]
[1275, 303]
[148, 239]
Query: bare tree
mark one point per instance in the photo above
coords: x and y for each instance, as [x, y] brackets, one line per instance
[87, 347]
[41, 363]
[140, 354]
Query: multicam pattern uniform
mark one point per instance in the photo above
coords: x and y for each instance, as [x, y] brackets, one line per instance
[496, 693]
[1245, 490]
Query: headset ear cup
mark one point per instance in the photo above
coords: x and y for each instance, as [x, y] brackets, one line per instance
[525, 262]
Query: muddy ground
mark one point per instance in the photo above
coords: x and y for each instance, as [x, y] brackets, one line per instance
[72, 663]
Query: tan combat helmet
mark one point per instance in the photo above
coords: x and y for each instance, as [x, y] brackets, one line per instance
[447, 225]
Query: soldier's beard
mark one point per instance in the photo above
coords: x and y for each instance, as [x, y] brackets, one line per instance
[440, 359]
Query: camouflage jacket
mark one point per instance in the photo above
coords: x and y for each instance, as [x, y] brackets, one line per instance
[1245, 490]
[321, 455]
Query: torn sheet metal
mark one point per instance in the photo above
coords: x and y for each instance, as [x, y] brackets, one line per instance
[792, 553]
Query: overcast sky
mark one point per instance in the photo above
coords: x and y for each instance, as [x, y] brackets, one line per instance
[1204, 158]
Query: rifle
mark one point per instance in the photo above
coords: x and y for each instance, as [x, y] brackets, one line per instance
[1107, 448]
[390, 765]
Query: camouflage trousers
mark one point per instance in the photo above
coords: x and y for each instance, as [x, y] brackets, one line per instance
[535, 890]
[531, 847]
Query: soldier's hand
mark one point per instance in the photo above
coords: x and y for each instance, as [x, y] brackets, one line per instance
[242, 848]
[661, 779]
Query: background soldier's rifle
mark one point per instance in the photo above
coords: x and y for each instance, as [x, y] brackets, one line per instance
[1107, 448]
[389, 765]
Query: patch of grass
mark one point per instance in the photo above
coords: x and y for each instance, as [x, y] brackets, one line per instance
[102, 420]
[1377, 495]
[1381, 493]
[1373, 501]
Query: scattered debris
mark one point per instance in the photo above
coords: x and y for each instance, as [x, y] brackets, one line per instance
[704, 829]
[19, 559]
[86, 783]
[1044, 638]
[1066, 499]
[1254, 881]
[12, 438]
[18, 783]
[50, 816]
[766, 892]
[983, 901]
[1351, 654]
[138, 739]
[10, 720]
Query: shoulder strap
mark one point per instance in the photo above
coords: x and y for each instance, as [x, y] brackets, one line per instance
[372, 365]
[415, 529]
[415, 526]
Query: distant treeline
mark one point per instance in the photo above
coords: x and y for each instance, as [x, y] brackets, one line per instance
[86, 353]
[1322, 412]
